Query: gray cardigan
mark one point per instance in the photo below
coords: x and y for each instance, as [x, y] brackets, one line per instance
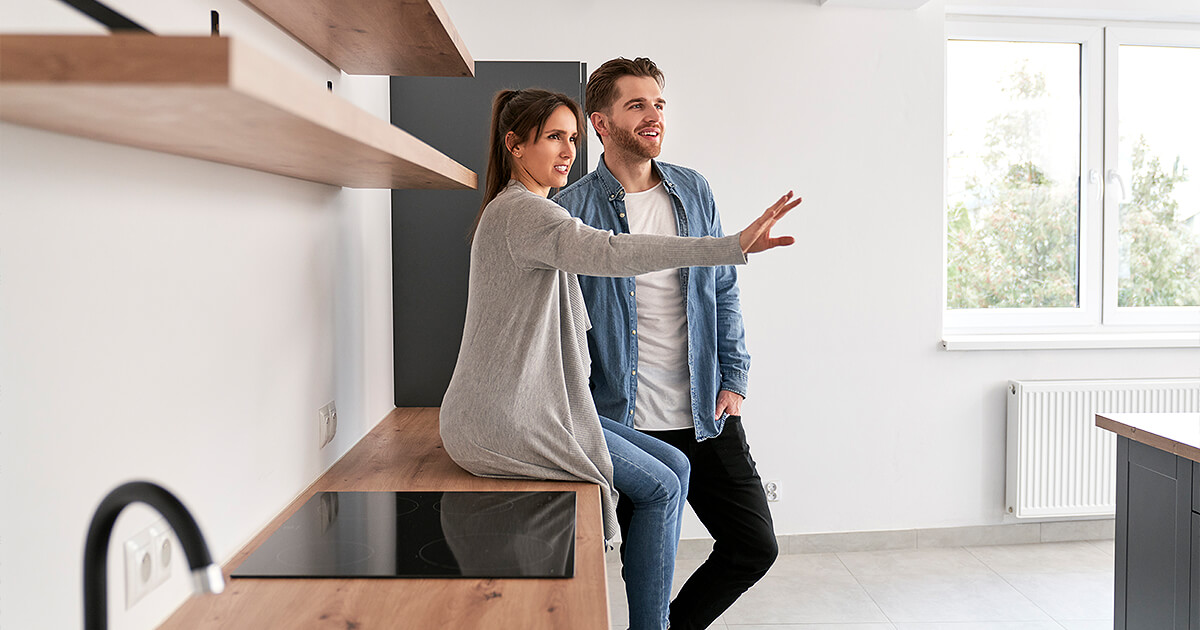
[518, 405]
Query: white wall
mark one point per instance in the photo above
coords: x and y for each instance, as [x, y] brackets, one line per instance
[175, 320]
[853, 405]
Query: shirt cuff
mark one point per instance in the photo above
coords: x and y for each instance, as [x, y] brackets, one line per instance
[735, 381]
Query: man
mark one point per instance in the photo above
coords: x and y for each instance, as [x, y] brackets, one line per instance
[668, 348]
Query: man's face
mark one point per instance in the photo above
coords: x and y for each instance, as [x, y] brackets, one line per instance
[634, 122]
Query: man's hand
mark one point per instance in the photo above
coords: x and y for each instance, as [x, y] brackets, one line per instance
[757, 236]
[728, 402]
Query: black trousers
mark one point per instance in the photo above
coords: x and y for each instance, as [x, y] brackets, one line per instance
[726, 493]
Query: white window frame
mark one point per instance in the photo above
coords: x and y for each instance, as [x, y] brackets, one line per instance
[1096, 322]
[1160, 317]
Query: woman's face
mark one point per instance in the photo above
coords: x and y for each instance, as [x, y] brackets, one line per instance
[543, 162]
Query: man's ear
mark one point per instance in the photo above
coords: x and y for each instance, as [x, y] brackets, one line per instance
[599, 123]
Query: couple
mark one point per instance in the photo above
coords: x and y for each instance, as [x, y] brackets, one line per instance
[667, 363]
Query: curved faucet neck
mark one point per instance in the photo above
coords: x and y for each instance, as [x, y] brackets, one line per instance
[95, 553]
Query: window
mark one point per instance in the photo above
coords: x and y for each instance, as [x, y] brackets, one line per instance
[1072, 179]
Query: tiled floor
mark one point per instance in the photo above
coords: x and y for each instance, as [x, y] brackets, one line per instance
[1048, 586]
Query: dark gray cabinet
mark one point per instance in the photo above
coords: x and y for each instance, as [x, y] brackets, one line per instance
[1195, 612]
[1157, 539]
[430, 253]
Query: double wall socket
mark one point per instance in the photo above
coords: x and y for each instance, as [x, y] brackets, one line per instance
[773, 490]
[148, 559]
[326, 424]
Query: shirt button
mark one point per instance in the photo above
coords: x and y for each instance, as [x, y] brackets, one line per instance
[635, 372]
[635, 332]
[631, 412]
[622, 215]
[631, 293]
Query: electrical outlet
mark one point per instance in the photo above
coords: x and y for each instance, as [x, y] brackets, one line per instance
[148, 559]
[326, 424]
[322, 423]
[332, 422]
[772, 489]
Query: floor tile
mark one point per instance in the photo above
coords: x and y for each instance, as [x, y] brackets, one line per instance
[809, 565]
[805, 589]
[982, 625]
[794, 600]
[813, 627]
[1109, 547]
[1085, 624]
[1047, 586]
[963, 597]
[1087, 595]
[1044, 558]
[926, 562]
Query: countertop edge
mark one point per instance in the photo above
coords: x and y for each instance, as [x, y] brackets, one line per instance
[1149, 438]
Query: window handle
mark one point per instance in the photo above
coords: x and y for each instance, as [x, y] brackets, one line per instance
[1094, 180]
[1113, 176]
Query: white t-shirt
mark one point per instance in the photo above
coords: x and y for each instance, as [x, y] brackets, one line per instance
[663, 386]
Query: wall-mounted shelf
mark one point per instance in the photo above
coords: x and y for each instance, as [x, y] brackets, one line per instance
[392, 37]
[211, 98]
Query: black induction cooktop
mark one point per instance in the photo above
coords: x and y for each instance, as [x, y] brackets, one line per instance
[422, 535]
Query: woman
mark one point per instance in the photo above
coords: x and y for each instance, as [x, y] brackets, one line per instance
[518, 405]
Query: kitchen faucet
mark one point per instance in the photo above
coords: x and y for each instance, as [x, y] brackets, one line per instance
[206, 576]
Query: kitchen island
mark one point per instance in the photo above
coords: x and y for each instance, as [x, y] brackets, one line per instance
[404, 453]
[1157, 577]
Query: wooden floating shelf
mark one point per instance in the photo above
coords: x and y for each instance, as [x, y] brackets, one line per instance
[392, 37]
[211, 98]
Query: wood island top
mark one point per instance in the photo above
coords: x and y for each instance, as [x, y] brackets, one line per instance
[404, 453]
[1177, 433]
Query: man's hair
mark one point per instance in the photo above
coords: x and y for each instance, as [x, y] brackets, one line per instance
[602, 85]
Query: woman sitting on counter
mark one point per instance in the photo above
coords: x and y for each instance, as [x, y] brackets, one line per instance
[519, 405]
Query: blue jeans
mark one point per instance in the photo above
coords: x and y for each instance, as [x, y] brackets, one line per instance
[654, 476]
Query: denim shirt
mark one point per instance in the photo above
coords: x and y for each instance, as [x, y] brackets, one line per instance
[717, 357]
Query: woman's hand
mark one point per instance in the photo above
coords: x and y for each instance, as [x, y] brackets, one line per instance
[757, 236]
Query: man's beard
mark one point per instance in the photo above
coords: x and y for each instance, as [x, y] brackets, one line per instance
[629, 143]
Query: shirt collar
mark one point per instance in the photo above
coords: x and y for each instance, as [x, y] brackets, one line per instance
[615, 190]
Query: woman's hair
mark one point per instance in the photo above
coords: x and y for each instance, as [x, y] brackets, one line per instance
[602, 85]
[523, 112]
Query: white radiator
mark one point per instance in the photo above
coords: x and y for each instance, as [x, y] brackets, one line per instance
[1059, 464]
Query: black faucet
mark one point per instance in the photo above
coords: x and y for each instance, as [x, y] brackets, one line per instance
[206, 576]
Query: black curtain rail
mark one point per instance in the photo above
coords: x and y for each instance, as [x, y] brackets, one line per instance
[108, 17]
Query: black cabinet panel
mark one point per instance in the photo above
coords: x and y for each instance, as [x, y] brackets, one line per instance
[1195, 586]
[1195, 487]
[1152, 547]
[1155, 539]
[430, 253]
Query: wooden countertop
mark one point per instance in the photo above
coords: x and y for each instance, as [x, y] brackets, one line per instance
[404, 452]
[1177, 433]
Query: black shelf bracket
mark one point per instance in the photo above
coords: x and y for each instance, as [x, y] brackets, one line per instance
[108, 17]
